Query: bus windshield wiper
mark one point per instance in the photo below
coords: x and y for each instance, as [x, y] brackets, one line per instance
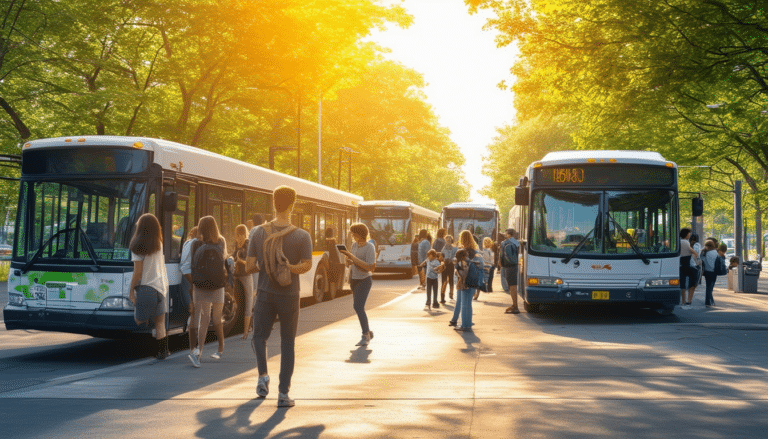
[578, 247]
[89, 247]
[629, 239]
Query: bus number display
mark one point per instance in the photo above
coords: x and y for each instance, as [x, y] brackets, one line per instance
[568, 175]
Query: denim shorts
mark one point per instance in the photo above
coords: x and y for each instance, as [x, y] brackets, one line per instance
[149, 304]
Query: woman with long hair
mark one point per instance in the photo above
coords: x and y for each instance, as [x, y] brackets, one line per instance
[149, 283]
[464, 296]
[208, 301]
[362, 258]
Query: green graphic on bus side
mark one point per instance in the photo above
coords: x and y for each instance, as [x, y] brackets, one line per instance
[41, 277]
[91, 295]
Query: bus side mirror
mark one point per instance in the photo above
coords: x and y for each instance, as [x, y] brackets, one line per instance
[170, 201]
[697, 206]
[521, 196]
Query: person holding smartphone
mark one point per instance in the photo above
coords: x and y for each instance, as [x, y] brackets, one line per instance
[362, 258]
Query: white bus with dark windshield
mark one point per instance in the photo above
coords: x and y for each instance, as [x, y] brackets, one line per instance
[392, 225]
[479, 218]
[599, 227]
[80, 198]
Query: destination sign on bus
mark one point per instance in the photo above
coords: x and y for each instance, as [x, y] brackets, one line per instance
[604, 175]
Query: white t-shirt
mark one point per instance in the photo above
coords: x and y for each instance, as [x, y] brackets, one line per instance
[685, 248]
[153, 272]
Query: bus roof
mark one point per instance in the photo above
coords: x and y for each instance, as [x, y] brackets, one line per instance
[621, 156]
[203, 163]
[477, 206]
[415, 208]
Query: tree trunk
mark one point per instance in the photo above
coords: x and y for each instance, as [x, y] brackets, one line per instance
[24, 132]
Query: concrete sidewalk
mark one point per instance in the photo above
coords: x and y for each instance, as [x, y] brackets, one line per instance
[513, 376]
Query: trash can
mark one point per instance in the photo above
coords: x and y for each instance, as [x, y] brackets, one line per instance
[751, 274]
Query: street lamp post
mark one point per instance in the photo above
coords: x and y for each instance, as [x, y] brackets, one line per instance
[349, 160]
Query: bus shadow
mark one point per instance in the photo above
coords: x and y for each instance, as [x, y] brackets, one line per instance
[591, 314]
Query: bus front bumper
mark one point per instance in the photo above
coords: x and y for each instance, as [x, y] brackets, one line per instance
[659, 298]
[90, 322]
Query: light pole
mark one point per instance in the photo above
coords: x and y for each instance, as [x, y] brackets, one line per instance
[349, 160]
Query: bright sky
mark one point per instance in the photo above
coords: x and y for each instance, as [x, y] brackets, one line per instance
[462, 66]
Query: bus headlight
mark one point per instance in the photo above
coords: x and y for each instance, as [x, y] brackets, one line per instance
[15, 299]
[660, 283]
[117, 303]
[544, 281]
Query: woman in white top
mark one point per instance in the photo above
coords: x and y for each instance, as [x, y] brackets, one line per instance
[488, 261]
[149, 283]
[362, 257]
[687, 274]
[245, 279]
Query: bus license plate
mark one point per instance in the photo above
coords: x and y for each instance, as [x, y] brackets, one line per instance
[600, 295]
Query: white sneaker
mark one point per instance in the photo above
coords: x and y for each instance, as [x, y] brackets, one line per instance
[196, 351]
[283, 400]
[194, 359]
[262, 388]
[366, 339]
[217, 355]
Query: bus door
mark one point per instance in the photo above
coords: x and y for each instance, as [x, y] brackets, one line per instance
[176, 228]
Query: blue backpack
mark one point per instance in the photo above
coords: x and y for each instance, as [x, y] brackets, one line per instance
[475, 276]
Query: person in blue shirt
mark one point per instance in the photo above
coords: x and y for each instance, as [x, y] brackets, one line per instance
[424, 247]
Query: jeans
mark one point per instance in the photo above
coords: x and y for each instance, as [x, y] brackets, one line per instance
[710, 277]
[360, 290]
[464, 307]
[489, 287]
[267, 307]
[432, 286]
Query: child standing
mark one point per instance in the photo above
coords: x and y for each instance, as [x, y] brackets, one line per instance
[433, 267]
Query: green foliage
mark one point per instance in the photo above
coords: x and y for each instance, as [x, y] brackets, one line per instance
[231, 76]
[686, 78]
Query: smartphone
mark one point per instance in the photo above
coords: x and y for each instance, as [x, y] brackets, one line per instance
[341, 247]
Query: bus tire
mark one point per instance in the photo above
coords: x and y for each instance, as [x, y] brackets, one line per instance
[531, 308]
[234, 309]
[320, 282]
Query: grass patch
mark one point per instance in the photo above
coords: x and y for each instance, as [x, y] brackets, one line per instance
[5, 267]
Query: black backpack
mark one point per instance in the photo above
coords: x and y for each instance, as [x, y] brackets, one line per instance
[208, 269]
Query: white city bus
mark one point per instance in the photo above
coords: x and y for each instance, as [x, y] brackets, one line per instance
[392, 225]
[80, 198]
[599, 227]
[479, 218]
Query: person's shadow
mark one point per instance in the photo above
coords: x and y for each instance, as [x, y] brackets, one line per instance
[470, 339]
[238, 424]
[360, 355]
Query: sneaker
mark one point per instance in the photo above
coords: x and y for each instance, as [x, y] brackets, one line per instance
[283, 400]
[196, 351]
[367, 336]
[435, 305]
[217, 355]
[194, 359]
[452, 323]
[262, 389]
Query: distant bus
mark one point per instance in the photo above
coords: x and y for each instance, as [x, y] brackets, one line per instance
[80, 198]
[479, 218]
[599, 227]
[392, 225]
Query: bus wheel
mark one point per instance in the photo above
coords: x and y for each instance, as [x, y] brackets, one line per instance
[320, 284]
[531, 308]
[234, 308]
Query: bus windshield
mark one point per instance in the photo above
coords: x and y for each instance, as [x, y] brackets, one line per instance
[389, 226]
[80, 220]
[481, 223]
[600, 223]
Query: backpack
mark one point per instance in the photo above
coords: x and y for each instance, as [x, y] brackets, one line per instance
[508, 257]
[475, 275]
[208, 269]
[275, 261]
[720, 268]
